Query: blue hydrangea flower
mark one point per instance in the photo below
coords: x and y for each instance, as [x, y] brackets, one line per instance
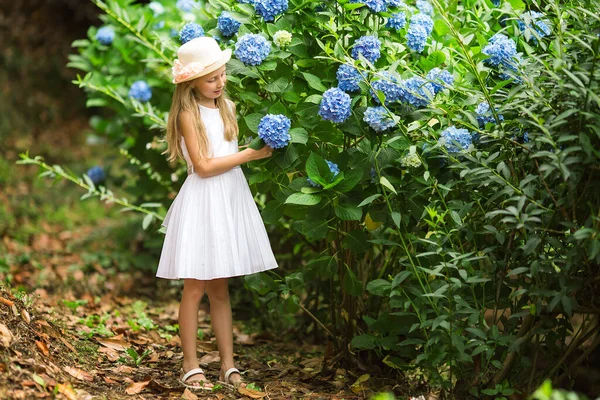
[269, 9]
[423, 20]
[190, 31]
[373, 5]
[333, 167]
[185, 5]
[496, 3]
[348, 78]
[96, 174]
[541, 27]
[159, 25]
[416, 38]
[501, 50]
[274, 130]
[368, 46]
[525, 137]
[425, 7]
[439, 78]
[227, 24]
[140, 90]
[105, 35]
[396, 21]
[395, 3]
[417, 91]
[373, 175]
[453, 134]
[156, 7]
[252, 49]
[389, 85]
[484, 114]
[378, 118]
[335, 105]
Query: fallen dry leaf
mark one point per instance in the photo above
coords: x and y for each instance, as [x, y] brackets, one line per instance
[111, 354]
[254, 394]
[79, 374]
[67, 390]
[5, 335]
[124, 369]
[136, 387]
[188, 395]
[206, 359]
[25, 316]
[42, 347]
[69, 345]
[6, 301]
[113, 343]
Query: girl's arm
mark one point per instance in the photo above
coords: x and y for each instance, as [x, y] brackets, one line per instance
[216, 165]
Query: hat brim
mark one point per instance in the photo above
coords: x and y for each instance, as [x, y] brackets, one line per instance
[226, 56]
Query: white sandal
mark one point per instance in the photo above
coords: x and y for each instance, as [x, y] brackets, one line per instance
[189, 374]
[228, 374]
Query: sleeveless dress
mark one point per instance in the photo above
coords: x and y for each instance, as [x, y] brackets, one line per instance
[214, 229]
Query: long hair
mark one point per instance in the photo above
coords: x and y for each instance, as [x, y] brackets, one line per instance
[186, 98]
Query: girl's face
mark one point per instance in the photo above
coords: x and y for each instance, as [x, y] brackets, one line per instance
[211, 85]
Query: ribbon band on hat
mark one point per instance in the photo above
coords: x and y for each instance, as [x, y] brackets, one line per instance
[183, 72]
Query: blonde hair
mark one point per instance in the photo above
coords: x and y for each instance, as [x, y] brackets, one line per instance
[186, 98]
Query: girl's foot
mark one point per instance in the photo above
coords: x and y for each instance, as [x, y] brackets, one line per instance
[196, 379]
[234, 378]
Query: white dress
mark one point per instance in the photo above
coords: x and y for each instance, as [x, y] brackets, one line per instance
[214, 229]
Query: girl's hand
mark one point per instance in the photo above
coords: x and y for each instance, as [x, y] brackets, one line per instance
[265, 152]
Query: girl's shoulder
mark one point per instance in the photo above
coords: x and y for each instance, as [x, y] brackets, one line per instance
[231, 104]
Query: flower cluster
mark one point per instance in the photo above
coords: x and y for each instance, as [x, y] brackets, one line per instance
[541, 27]
[389, 85]
[421, 26]
[395, 3]
[396, 21]
[105, 35]
[227, 24]
[484, 114]
[348, 78]
[368, 46]
[503, 54]
[269, 9]
[190, 31]
[378, 118]
[274, 130]
[374, 5]
[333, 167]
[252, 49]
[335, 105]
[185, 5]
[425, 7]
[451, 135]
[410, 160]
[417, 91]
[439, 78]
[282, 38]
[96, 174]
[140, 90]
[156, 7]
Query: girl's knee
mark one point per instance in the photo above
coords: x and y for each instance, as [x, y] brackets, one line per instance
[218, 291]
[194, 289]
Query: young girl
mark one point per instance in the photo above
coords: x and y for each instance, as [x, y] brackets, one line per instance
[214, 230]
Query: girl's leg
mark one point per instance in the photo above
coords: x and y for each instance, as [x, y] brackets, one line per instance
[220, 313]
[193, 291]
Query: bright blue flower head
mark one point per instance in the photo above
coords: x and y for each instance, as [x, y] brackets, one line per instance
[389, 85]
[335, 105]
[417, 91]
[395, 3]
[269, 9]
[423, 20]
[156, 7]
[368, 46]
[451, 135]
[227, 24]
[274, 130]
[373, 5]
[484, 114]
[425, 7]
[185, 5]
[140, 91]
[378, 118]
[348, 78]
[333, 167]
[396, 21]
[105, 35]
[501, 50]
[252, 49]
[439, 78]
[96, 174]
[190, 31]
[541, 27]
[416, 38]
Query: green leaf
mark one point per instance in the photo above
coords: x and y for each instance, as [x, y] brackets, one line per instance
[369, 199]
[146, 222]
[303, 199]
[517, 4]
[436, 58]
[278, 86]
[352, 285]
[314, 82]
[348, 213]
[379, 287]
[364, 341]
[318, 170]
[252, 121]
[351, 178]
[356, 241]
[299, 135]
[384, 181]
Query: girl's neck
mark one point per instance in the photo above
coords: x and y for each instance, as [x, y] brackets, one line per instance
[210, 103]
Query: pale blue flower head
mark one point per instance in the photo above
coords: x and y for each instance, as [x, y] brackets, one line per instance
[484, 114]
[501, 50]
[141, 91]
[417, 91]
[439, 79]
[423, 20]
[397, 21]
[389, 85]
[252, 49]
[227, 24]
[373, 5]
[105, 35]
[335, 105]
[190, 31]
[348, 78]
[378, 118]
[274, 130]
[368, 46]
[269, 9]
[157, 8]
[416, 38]
[425, 7]
[451, 135]
[185, 5]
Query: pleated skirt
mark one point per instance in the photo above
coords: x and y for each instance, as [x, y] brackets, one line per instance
[214, 230]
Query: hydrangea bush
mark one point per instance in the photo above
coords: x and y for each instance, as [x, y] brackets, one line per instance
[436, 233]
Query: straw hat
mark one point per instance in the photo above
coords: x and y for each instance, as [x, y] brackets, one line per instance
[198, 57]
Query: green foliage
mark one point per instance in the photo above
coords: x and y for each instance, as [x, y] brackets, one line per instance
[453, 266]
